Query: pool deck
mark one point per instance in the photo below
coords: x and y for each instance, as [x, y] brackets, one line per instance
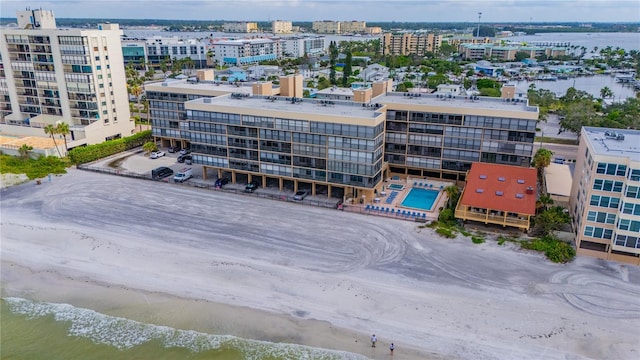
[387, 205]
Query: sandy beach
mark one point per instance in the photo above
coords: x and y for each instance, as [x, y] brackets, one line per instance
[281, 272]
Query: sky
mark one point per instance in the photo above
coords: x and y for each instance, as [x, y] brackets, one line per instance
[368, 10]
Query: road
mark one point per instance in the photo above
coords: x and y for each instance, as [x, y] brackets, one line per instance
[569, 152]
[449, 297]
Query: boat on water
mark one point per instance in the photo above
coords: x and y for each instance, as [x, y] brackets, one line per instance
[548, 78]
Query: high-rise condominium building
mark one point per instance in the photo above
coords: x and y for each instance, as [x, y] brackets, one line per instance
[50, 75]
[326, 27]
[281, 27]
[353, 27]
[605, 194]
[410, 44]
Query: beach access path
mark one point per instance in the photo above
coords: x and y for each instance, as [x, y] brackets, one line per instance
[434, 298]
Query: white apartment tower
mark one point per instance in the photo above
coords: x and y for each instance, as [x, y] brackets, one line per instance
[281, 27]
[50, 75]
[605, 194]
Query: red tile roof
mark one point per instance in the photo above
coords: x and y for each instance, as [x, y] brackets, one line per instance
[501, 187]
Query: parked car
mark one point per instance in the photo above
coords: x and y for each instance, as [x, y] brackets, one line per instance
[161, 173]
[300, 195]
[183, 175]
[220, 182]
[183, 158]
[185, 151]
[251, 187]
[157, 154]
[174, 149]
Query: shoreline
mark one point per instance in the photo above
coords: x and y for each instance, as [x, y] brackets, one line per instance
[200, 315]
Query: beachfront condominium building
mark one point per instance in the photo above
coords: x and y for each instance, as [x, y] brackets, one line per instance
[326, 27]
[342, 147]
[605, 194]
[244, 51]
[353, 27]
[240, 27]
[50, 75]
[410, 44]
[281, 27]
[142, 52]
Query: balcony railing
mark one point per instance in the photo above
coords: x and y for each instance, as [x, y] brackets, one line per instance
[492, 219]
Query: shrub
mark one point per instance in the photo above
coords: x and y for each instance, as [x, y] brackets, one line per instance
[444, 232]
[446, 215]
[554, 249]
[81, 155]
[477, 239]
[501, 240]
[33, 168]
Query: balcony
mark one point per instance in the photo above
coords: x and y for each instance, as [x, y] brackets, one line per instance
[521, 221]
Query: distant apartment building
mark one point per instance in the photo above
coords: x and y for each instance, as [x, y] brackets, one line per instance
[353, 27]
[244, 51]
[240, 27]
[155, 50]
[506, 53]
[605, 195]
[326, 27]
[457, 40]
[410, 44]
[75, 76]
[299, 46]
[281, 27]
[344, 143]
[373, 30]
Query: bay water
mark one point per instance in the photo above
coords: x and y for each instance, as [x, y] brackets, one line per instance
[40, 330]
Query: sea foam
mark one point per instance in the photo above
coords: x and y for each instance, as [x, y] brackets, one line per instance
[124, 334]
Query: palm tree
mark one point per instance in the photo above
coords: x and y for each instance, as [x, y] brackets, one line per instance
[605, 92]
[453, 193]
[136, 90]
[149, 146]
[25, 151]
[63, 129]
[543, 202]
[542, 159]
[51, 130]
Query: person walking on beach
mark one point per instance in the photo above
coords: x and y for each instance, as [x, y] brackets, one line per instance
[391, 347]
[373, 340]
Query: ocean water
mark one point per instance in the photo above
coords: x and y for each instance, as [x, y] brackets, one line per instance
[40, 330]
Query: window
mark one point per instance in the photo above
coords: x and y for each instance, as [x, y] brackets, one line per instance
[604, 201]
[598, 232]
[629, 225]
[607, 185]
[634, 175]
[612, 169]
[630, 208]
[601, 217]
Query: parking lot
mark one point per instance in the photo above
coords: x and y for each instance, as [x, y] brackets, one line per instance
[136, 162]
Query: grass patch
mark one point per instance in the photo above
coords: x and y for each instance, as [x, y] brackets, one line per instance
[465, 232]
[554, 249]
[550, 140]
[33, 168]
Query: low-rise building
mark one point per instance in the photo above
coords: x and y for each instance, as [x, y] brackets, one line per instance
[557, 183]
[499, 194]
[326, 27]
[244, 51]
[353, 27]
[153, 51]
[240, 27]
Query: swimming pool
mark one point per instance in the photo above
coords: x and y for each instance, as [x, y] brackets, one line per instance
[396, 186]
[422, 199]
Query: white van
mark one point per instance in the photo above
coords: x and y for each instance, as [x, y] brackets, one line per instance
[183, 175]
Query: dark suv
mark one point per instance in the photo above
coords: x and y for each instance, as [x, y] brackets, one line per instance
[183, 158]
[220, 182]
[251, 187]
[174, 149]
[161, 173]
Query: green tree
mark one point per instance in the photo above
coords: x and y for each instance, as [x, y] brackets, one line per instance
[323, 83]
[605, 92]
[453, 194]
[346, 72]
[544, 201]
[542, 159]
[437, 79]
[550, 220]
[63, 129]
[446, 49]
[25, 151]
[136, 90]
[487, 84]
[577, 114]
[51, 131]
[521, 55]
[490, 92]
[333, 55]
[149, 146]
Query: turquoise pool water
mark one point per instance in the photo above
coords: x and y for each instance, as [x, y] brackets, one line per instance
[395, 186]
[422, 199]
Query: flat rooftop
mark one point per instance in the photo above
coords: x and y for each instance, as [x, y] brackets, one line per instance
[305, 106]
[456, 101]
[167, 85]
[614, 142]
